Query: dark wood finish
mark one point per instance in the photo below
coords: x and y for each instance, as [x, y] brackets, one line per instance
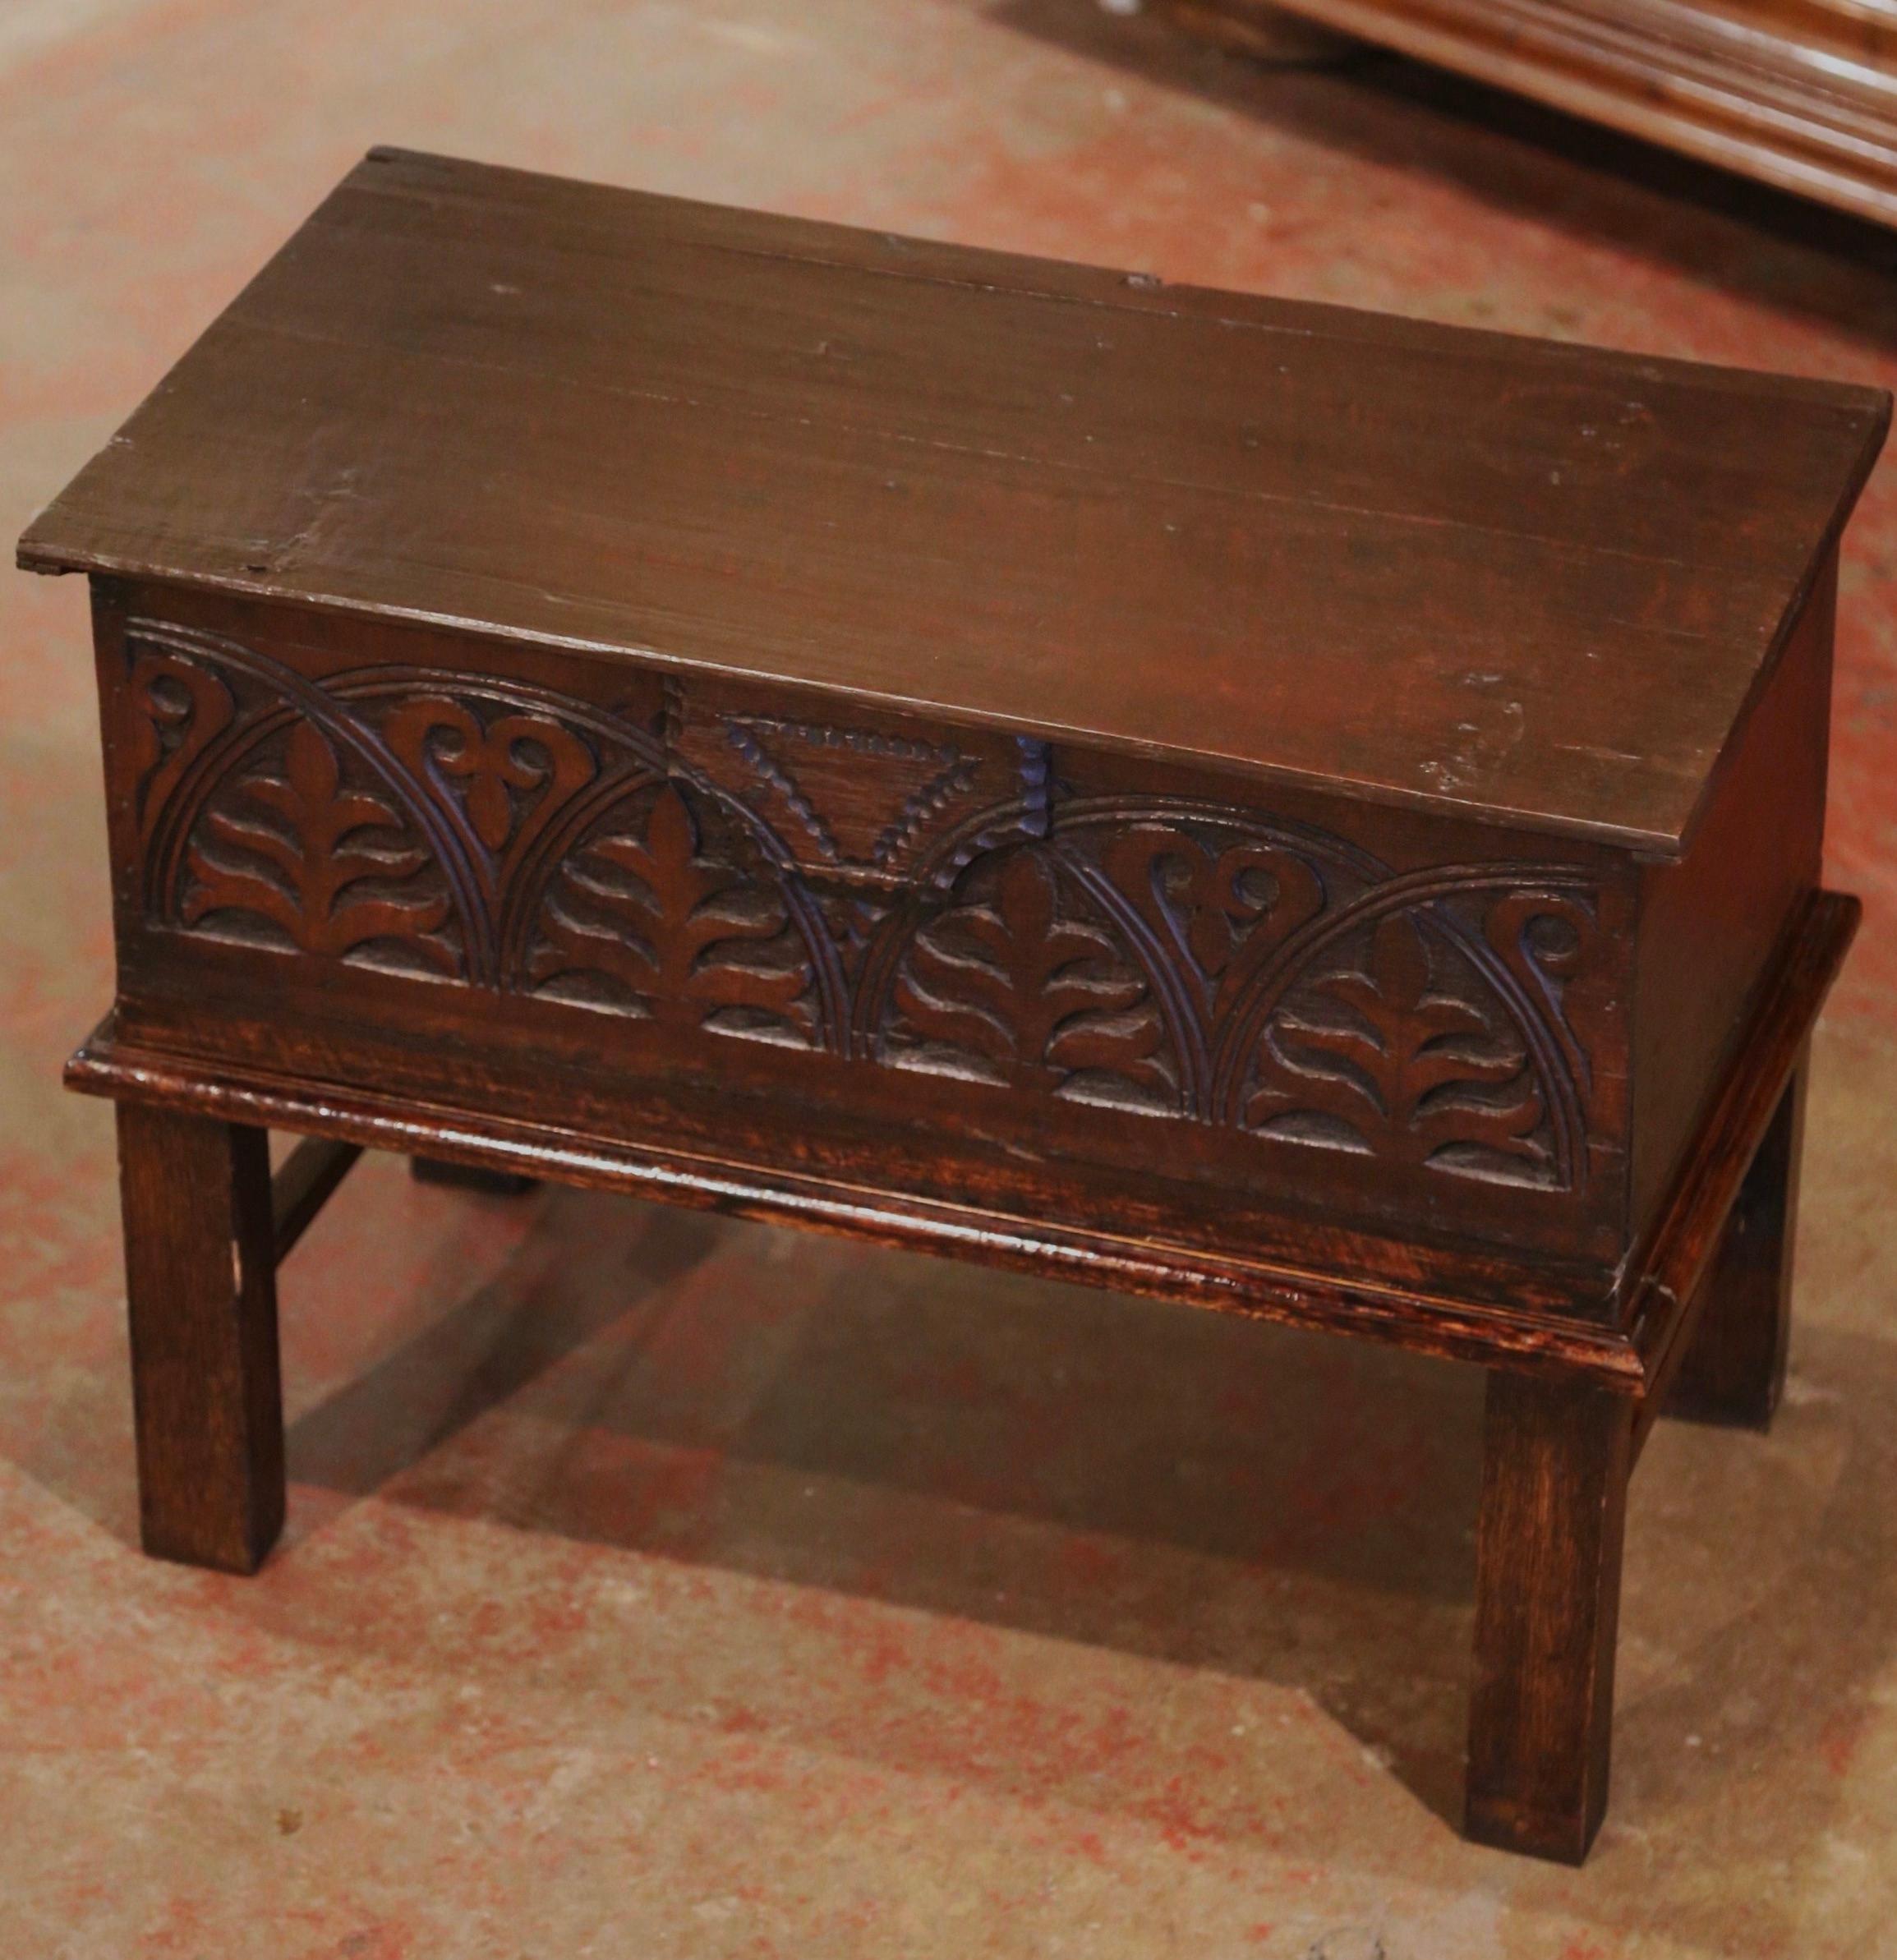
[1298, 813]
[1665, 1302]
[1734, 1368]
[647, 938]
[1460, 572]
[1306, 1295]
[1710, 930]
[471, 1177]
[1801, 94]
[1555, 1458]
[556, 1145]
[303, 1185]
[201, 1284]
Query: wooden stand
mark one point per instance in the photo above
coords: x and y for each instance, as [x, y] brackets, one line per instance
[1557, 1451]
[1294, 813]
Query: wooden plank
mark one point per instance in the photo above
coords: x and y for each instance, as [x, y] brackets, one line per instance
[1433, 567]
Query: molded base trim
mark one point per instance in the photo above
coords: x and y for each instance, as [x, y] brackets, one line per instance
[1417, 1319]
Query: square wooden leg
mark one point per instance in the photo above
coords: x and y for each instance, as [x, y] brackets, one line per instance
[200, 1284]
[1555, 1462]
[1734, 1369]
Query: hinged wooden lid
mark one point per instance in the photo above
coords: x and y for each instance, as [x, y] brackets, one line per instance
[1521, 581]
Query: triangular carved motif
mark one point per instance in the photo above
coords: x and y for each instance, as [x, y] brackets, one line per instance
[860, 798]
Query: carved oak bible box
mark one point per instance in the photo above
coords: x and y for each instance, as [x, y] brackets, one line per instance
[1305, 813]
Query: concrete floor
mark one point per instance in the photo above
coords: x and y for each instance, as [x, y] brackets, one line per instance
[660, 1586]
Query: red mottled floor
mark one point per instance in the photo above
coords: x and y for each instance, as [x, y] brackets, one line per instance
[657, 1586]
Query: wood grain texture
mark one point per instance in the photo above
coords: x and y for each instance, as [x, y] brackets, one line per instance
[1134, 1262]
[370, 831]
[1554, 1468]
[1710, 928]
[1801, 94]
[1445, 569]
[200, 1267]
[1662, 1303]
[1733, 1360]
[1624, 1351]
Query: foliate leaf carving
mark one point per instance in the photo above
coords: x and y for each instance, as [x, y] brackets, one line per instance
[329, 868]
[852, 917]
[1399, 1051]
[1014, 985]
[650, 918]
[861, 890]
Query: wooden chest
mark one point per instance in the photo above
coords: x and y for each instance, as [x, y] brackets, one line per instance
[1307, 812]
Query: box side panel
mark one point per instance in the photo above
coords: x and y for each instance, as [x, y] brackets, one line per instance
[1710, 924]
[951, 960]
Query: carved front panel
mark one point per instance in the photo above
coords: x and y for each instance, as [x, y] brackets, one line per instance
[1194, 963]
[944, 905]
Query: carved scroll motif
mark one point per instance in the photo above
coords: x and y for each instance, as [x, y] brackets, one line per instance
[1196, 965]
[494, 834]
[507, 775]
[1428, 1023]
[182, 707]
[1155, 955]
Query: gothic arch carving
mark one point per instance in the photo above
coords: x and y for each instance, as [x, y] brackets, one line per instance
[1169, 956]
